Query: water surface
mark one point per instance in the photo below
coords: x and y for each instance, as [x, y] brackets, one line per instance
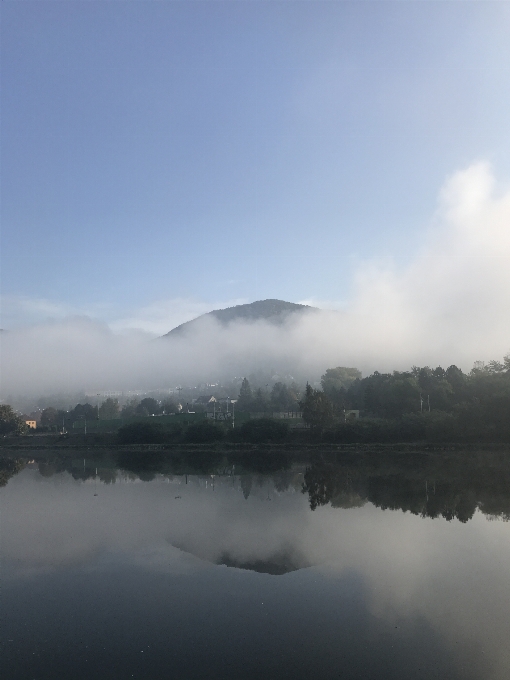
[394, 567]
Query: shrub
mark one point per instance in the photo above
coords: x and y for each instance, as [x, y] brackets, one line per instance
[263, 430]
[141, 433]
[204, 432]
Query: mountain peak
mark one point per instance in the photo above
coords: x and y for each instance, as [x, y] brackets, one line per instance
[273, 311]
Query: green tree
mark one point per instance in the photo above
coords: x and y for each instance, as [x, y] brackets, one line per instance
[260, 402]
[129, 408]
[10, 423]
[282, 398]
[245, 399]
[339, 378]
[148, 407]
[109, 409]
[316, 408]
[86, 411]
[49, 417]
[336, 382]
[169, 406]
[495, 366]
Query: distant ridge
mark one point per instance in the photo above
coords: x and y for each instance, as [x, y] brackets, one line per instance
[273, 311]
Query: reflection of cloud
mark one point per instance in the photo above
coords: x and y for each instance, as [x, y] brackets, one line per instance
[446, 307]
[453, 575]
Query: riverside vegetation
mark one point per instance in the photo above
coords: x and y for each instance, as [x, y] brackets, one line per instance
[420, 405]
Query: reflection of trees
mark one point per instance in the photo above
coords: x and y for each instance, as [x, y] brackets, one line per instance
[246, 484]
[107, 475]
[9, 467]
[144, 464]
[442, 486]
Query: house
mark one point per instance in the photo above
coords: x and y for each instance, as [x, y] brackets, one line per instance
[204, 401]
[32, 424]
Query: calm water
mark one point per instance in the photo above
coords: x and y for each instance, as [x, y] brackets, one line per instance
[401, 569]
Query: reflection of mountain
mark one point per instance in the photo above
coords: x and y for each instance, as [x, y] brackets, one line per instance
[277, 564]
[272, 311]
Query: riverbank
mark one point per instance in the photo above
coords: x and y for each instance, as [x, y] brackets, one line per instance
[24, 449]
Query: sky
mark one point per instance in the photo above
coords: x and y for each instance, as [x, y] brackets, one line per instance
[162, 159]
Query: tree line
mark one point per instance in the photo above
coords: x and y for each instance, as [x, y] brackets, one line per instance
[420, 404]
[282, 397]
[110, 409]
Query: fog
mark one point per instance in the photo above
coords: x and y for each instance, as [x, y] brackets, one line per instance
[447, 305]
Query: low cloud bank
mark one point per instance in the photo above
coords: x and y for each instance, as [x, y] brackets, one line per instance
[450, 305]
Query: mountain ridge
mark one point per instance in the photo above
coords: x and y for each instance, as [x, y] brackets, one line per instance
[271, 310]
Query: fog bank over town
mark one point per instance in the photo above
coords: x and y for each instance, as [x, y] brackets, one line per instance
[448, 305]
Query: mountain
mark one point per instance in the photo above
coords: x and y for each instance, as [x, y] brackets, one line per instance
[273, 311]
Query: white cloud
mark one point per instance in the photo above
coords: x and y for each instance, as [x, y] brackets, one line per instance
[448, 306]
[161, 316]
[21, 310]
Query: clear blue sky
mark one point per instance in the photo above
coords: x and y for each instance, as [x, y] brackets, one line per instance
[215, 151]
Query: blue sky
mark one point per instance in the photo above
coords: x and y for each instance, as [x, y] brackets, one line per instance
[179, 156]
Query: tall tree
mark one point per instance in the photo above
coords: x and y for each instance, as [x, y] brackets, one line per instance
[260, 402]
[316, 409]
[151, 406]
[282, 398]
[245, 399]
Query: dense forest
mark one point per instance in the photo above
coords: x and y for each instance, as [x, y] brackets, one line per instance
[421, 404]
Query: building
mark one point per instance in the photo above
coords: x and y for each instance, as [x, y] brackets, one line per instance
[207, 402]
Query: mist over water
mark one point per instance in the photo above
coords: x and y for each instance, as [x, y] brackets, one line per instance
[447, 306]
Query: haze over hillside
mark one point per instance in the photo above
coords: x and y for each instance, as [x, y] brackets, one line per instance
[271, 311]
[436, 310]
